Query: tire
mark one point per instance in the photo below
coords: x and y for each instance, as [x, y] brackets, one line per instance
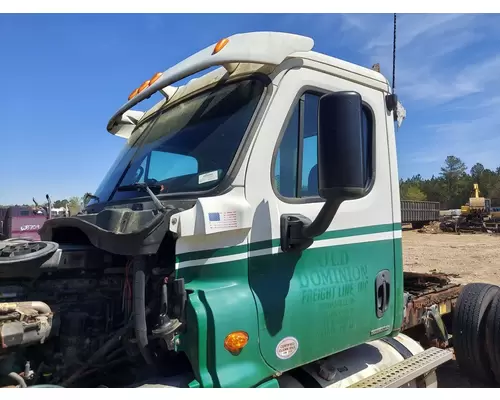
[417, 225]
[469, 323]
[493, 337]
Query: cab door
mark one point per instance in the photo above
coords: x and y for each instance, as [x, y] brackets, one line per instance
[339, 292]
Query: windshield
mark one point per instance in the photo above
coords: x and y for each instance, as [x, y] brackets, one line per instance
[187, 148]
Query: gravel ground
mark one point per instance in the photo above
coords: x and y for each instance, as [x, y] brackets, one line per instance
[468, 257]
[472, 257]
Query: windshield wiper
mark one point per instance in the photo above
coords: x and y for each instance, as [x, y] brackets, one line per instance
[144, 187]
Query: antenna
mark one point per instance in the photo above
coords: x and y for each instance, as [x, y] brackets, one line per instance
[394, 56]
[393, 104]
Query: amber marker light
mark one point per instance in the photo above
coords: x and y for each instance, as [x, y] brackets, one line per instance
[235, 341]
[220, 45]
[133, 94]
[155, 78]
[144, 85]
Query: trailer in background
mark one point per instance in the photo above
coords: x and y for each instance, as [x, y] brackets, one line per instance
[419, 213]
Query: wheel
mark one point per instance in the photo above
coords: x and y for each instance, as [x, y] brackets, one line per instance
[469, 323]
[493, 337]
[417, 225]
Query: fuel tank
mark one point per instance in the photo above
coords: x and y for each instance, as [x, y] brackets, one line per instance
[351, 366]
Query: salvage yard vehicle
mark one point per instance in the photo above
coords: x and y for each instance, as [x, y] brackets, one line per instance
[477, 215]
[234, 242]
[23, 222]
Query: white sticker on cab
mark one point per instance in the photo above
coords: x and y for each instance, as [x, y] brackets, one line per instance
[208, 177]
[286, 348]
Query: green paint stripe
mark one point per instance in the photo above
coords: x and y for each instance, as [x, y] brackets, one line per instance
[365, 230]
[227, 251]
[202, 254]
[267, 244]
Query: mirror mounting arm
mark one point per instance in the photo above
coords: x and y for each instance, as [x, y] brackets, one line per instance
[323, 220]
[298, 232]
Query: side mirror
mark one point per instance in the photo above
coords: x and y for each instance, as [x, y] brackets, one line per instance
[341, 167]
[341, 161]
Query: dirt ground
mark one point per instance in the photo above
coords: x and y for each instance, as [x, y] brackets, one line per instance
[472, 257]
[468, 257]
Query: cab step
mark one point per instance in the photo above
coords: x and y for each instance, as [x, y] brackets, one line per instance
[407, 370]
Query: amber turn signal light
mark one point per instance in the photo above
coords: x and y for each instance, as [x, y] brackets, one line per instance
[235, 341]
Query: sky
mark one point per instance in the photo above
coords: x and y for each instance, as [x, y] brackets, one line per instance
[64, 76]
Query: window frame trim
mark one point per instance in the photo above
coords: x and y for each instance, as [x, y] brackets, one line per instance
[311, 89]
[300, 145]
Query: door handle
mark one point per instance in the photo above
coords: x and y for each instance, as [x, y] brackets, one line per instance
[382, 292]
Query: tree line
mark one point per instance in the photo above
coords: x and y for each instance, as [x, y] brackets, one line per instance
[74, 203]
[454, 184]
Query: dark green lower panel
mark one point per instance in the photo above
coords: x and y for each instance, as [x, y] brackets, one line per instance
[222, 303]
[323, 300]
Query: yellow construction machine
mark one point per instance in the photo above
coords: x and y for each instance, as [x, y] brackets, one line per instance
[477, 206]
[477, 214]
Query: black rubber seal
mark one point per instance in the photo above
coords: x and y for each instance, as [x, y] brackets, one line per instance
[398, 346]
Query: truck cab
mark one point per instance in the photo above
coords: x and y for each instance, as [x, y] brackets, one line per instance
[21, 222]
[246, 149]
[259, 206]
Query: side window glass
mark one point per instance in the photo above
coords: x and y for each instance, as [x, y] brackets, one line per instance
[309, 168]
[368, 143]
[296, 171]
[285, 170]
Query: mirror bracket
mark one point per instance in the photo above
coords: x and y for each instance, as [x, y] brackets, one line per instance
[292, 226]
[391, 102]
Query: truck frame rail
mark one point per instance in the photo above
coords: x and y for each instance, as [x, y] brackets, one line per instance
[429, 297]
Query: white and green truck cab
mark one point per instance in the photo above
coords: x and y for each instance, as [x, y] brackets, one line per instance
[248, 235]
